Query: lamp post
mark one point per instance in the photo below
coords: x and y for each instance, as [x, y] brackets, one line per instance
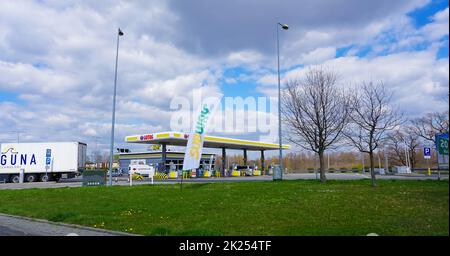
[285, 27]
[111, 157]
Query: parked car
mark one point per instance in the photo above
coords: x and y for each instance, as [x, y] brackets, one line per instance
[244, 169]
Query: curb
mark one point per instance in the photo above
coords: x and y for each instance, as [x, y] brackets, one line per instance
[117, 233]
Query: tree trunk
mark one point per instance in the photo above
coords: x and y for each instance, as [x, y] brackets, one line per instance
[323, 178]
[412, 159]
[372, 169]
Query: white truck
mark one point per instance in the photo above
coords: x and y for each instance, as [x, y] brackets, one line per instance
[41, 161]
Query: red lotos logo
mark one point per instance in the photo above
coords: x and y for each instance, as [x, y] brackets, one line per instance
[147, 137]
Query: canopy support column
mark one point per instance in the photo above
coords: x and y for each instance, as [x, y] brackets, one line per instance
[262, 162]
[164, 155]
[245, 156]
[224, 156]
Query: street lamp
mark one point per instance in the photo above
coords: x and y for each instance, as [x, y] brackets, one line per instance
[111, 157]
[285, 27]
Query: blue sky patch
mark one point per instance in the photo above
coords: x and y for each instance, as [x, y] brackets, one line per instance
[41, 65]
[423, 15]
[244, 86]
[342, 51]
[443, 51]
[9, 96]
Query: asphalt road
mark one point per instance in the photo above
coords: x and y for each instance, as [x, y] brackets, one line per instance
[20, 226]
[6, 231]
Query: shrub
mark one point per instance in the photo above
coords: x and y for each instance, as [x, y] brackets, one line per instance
[357, 167]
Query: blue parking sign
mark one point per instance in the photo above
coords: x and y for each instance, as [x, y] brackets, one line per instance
[427, 153]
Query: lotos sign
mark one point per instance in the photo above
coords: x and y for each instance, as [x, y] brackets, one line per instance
[195, 142]
[146, 137]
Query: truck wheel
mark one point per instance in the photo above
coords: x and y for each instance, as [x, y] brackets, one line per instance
[15, 178]
[44, 177]
[31, 178]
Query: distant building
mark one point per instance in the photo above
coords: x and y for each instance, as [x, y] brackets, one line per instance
[173, 138]
[402, 169]
[155, 158]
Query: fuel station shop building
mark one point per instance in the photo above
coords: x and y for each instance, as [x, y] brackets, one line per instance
[165, 160]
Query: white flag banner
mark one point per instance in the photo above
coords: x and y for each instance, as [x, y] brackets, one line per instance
[194, 147]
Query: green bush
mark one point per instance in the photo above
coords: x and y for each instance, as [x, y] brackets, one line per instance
[357, 167]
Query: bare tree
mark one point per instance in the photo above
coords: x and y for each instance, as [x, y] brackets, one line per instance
[428, 126]
[315, 111]
[97, 157]
[404, 139]
[372, 117]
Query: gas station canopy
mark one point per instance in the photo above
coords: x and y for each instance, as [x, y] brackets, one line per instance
[181, 139]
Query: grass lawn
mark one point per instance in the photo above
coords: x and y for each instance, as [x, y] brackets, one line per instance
[245, 208]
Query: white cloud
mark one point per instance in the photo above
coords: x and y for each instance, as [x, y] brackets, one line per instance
[58, 57]
[21, 77]
[58, 119]
[230, 80]
[417, 79]
[244, 57]
[439, 27]
[318, 55]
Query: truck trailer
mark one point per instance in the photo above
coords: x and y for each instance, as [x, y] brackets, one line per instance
[45, 161]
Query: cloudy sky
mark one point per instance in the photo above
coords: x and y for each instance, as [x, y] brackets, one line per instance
[57, 57]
